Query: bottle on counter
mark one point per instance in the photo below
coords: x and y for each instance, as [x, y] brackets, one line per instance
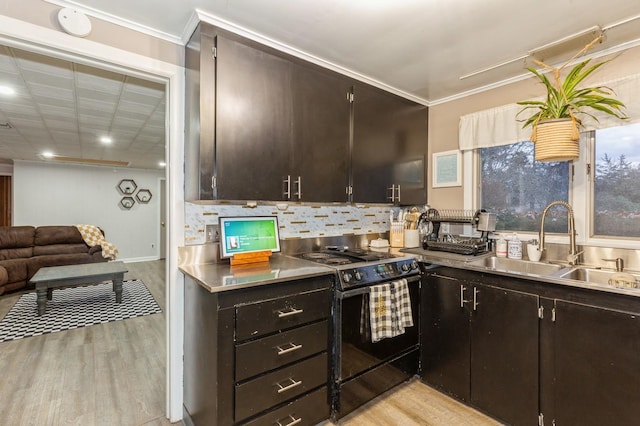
[501, 247]
[514, 250]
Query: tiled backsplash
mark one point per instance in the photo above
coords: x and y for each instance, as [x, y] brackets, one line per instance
[297, 221]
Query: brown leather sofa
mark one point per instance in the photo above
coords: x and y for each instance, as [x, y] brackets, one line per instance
[25, 249]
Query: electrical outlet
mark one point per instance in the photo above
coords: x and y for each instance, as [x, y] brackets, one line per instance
[212, 233]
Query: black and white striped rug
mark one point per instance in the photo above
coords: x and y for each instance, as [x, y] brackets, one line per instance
[77, 307]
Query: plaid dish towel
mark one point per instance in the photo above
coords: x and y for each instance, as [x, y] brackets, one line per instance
[402, 305]
[381, 312]
[386, 312]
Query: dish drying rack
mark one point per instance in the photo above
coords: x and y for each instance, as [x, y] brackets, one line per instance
[456, 244]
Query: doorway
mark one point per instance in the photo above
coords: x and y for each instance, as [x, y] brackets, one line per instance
[54, 43]
[5, 200]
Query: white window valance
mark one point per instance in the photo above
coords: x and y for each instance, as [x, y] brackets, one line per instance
[498, 126]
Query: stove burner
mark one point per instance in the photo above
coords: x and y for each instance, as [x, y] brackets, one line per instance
[315, 255]
[326, 258]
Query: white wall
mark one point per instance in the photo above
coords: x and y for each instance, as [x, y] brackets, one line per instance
[53, 194]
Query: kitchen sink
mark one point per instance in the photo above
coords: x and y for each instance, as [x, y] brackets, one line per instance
[514, 265]
[599, 276]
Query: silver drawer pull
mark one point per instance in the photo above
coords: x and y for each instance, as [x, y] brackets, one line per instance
[291, 311]
[291, 348]
[290, 386]
[293, 421]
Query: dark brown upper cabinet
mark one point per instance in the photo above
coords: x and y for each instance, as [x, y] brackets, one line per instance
[389, 148]
[254, 109]
[321, 120]
[263, 125]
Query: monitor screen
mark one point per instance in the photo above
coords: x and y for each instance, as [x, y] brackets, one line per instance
[248, 234]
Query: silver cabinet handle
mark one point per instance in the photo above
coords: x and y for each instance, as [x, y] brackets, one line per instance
[393, 193]
[293, 421]
[398, 193]
[291, 348]
[462, 299]
[286, 193]
[298, 182]
[291, 311]
[475, 298]
[292, 385]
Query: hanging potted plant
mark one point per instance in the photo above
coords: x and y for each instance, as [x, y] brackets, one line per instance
[556, 120]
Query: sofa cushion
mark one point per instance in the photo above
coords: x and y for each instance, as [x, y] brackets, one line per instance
[16, 253]
[16, 237]
[4, 275]
[46, 235]
[16, 269]
[60, 249]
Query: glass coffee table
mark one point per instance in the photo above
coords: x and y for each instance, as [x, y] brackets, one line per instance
[50, 278]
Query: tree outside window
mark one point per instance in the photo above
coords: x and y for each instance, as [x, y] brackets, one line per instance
[517, 188]
[616, 184]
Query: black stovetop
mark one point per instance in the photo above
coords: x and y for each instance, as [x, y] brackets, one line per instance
[343, 256]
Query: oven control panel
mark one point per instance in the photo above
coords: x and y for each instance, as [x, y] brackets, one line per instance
[378, 272]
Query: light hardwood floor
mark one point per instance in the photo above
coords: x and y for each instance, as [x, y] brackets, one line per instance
[415, 404]
[106, 374]
[114, 374]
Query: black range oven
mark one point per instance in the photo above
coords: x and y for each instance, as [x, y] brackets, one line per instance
[362, 369]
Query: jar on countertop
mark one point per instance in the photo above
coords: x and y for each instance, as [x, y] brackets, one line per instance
[501, 247]
[514, 247]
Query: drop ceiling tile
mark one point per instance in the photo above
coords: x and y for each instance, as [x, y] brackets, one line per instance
[95, 106]
[45, 91]
[55, 124]
[46, 79]
[127, 107]
[25, 124]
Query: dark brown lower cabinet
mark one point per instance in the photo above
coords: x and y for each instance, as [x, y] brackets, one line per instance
[480, 345]
[597, 366]
[504, 354]
[257, 356]
[445, 341]
[530, 352]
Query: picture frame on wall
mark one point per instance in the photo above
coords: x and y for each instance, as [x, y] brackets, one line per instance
[447, 169]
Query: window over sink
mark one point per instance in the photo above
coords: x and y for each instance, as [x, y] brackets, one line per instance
[517, 188]
[602, 185]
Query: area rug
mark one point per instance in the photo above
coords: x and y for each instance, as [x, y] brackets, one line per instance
[77, 307]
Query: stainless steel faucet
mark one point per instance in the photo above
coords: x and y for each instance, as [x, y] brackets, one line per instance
[573, 252]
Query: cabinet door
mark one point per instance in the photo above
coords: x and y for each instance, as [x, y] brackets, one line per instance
[253, 122]
[389, 146]
[445, 337]
[321, 135]
[597, 366]
[504, 354]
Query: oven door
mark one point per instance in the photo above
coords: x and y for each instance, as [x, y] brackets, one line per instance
[354, 350]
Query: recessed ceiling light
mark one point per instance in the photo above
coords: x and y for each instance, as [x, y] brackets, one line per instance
[106, 140]
[7, 91]
[162, 164]
[47, 154]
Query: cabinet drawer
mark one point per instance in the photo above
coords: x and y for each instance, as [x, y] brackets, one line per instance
[266, 317]
[272, 352]
[309, 410]
[279, 386]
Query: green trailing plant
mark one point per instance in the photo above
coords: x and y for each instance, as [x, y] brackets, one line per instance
[566, 100]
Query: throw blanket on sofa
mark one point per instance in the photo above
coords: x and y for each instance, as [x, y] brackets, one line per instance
[93, 237]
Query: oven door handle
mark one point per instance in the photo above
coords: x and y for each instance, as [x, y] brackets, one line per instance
[363, 290]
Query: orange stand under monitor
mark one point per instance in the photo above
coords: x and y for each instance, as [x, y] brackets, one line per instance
[250, 258]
